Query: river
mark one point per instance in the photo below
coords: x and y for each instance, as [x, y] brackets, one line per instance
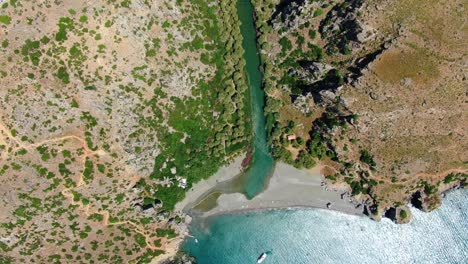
[314, 235]
[262, 163]
[254, 180]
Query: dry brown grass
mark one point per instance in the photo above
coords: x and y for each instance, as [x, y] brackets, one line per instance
[395, 65]
[414, 124]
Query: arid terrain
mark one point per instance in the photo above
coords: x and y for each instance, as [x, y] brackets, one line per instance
[104, 105]
[376, 90]
[110, 111]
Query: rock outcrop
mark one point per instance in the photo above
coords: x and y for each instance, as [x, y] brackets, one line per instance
[341, 28]
[399, 215]
[287, 11]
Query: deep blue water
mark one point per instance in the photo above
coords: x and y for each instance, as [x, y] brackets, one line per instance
[321, 236]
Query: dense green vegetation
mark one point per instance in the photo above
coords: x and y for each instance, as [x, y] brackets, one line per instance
[453, 177]
[214, 125]
[5, 19]
[295, 54]
[195, 129]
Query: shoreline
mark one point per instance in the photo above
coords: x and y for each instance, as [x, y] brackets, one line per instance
[279, 208]
[199, 189]
[288, 188]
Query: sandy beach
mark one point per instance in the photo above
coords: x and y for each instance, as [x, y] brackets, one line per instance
[288, 188]
[224, 173]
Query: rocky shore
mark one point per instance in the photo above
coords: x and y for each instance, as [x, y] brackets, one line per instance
[288, 188]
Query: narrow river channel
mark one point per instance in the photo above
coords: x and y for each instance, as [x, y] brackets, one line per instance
[314, 235]
[262, 163]
[255, 178]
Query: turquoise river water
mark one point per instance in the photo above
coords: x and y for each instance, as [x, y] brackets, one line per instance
[314, 235]
[262, 163]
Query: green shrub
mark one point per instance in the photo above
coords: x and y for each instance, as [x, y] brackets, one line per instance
[5, 19]
[83, 19]
[367, 158]
[403, 214]
[304, 160]
[429, 189]
[140, 240]
[450, 178]
[285, 44]
[317, 12]
[62, 74]
[125, 3]
[312, 34]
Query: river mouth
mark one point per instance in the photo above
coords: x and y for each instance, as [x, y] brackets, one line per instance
[255, 178]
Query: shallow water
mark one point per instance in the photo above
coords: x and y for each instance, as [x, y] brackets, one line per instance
[253, 180]
[314, 235]
[261, 167]
[321, 236]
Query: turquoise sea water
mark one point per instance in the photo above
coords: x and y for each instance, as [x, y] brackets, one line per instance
[321, 236]
[314, 235]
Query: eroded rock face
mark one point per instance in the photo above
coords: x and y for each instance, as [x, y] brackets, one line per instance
[288, 10]
[180, 258]
[341, 28]
[399, 215]
[311, 72]
[388, 95]
[391, 213]
[416, 200]
[404, 215]
[373, 212]
[431, 202]
[316, 70]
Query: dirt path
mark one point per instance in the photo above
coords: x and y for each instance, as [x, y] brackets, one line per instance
[86, 209]
[5, 134]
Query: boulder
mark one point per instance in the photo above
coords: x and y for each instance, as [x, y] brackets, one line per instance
[399, 215]
[317, 70]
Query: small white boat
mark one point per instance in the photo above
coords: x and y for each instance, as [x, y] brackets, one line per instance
[262, 257]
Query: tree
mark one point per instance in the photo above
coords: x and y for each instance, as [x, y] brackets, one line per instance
[304, 160]
[272, 105]
[403, 214]
[367, 158]
[285, 44]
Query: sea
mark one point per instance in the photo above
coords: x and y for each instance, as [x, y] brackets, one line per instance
[316, 235]
[324, 236]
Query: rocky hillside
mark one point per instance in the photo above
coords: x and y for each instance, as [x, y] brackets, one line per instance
[109, 111]
[374, 90]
